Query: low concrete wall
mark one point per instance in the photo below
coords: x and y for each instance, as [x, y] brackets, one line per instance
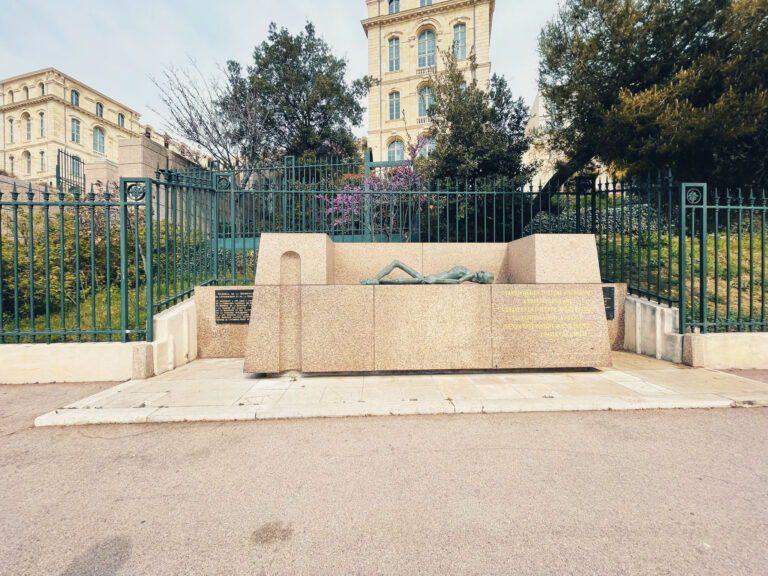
[175, 341]
[652, 329]
[75, 362]
[725, 351]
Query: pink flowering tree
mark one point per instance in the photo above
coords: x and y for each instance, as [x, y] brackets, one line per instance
[379, 204]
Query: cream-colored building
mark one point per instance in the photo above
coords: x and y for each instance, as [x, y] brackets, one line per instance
[46, 111]
[404, 42]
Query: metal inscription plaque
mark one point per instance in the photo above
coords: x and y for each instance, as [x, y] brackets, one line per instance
[609, 297]
[233, 306]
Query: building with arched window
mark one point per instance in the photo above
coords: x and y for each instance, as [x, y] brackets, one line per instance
[405, 38]
[47, 111]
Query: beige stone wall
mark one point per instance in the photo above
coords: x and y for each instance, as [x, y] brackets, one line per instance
[441, 17]
[139, 157]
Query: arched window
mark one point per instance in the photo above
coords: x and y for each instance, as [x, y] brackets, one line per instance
[10, 130]
[396, 151]
[427, 149]
[42, 89]
[98, 140]
[460, 41]
[394, 105]
[99, 110]
[10, 96]
[121, 120]
[27, 120]
[42, 124]
[426, 99]
[394, 54]
[26, 158]
[74, 98]
[26, 93]
[394, 6]
[426, 48]
[42, 161]
[423, 3]
[11, 165]
[75, 130]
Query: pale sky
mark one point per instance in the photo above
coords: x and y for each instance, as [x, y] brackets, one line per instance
[114, 46]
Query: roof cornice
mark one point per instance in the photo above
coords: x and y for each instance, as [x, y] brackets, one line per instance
[406, 15]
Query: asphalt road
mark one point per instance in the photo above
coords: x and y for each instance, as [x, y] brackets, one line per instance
[661, 492]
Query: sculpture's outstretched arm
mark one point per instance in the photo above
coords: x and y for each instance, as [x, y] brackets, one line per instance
[388, 270]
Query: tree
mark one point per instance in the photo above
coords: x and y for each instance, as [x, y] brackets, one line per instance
[223, 116]
[654, 84]
[294, 100]
[476, 134]
[306, 103]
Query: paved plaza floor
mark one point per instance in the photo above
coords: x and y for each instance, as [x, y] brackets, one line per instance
[217, 390]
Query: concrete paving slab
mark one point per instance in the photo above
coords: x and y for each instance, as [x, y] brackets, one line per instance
[217, 390]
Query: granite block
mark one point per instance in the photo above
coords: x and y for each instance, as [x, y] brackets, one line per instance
[262, 350]
[487, 257]
[337, 329]
[437, 327]
[315, 253]
[217, 340]
[550, 326]
[554, 259]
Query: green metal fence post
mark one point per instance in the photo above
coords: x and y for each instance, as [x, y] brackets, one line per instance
[703, 307]
[149, 254]
[681, 262]
[123, 263]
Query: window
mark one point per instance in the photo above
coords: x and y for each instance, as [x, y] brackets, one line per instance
[396, 151]
[11, 166]
[426, 48]
[10, 130]
[42, 161]
[460, 41]
[423, 3]
[27, 162]
[74, 98]
[427, 149]
[42, 124]
[75, 130]
[394, 105]
[426, 99]
[27, 127]
[10, 96]
[121, 120]
[99, 110]
[394, 6]
[98, 140]
[42, 89]
[75, 166]
[394, 54]
[26, 93]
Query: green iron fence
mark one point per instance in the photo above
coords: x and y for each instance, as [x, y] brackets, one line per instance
[99, 266]
[71, 266]
[722, 257]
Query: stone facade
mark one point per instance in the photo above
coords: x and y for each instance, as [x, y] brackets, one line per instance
[37, 112]
[405, 27]
[46, 98]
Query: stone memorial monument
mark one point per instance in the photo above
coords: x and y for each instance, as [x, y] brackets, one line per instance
[533, 303]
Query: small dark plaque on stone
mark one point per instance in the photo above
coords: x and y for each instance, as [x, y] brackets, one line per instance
[609, 297]
[233, 306]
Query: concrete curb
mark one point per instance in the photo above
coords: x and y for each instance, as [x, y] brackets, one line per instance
[79, 416]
